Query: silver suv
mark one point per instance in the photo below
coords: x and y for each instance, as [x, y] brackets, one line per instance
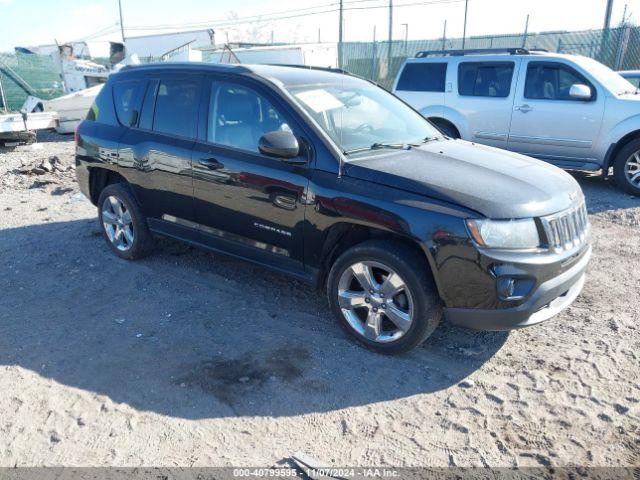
[568, 110]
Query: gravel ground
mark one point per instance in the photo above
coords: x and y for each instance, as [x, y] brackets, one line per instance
[192, 359]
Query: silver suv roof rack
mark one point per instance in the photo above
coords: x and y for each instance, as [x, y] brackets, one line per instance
[477, 51]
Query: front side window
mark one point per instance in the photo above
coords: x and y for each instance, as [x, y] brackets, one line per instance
[176, 111]
[358, 115]
[635, 81]
[239, 116]
[485, 79]
[126, 97]
[423, 77]
[548, 81]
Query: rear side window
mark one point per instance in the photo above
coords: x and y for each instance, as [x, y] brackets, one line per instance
[551, 81]
[423, 77]
[126, 98]
[102, 110]
[176, 111]
[485, 79]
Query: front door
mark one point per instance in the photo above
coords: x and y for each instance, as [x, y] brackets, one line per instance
[246, 202]
[547, 122]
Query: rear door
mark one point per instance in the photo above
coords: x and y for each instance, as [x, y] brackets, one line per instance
[549, 124]
[483, 95]
[155, 153]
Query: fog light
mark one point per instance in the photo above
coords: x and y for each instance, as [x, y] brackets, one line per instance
[505, 287]
[512, 288]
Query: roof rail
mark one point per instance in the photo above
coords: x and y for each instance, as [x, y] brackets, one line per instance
[310, 67]
[477, 51]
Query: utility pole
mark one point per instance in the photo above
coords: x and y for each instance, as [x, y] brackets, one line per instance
[607, 15]
[444, 36]
[374, 57]
[340, 37]
[464, 29]
[121, 24]
[604, 41]
[406, 36]
[319, 36]
[526, 31]
[390, 37]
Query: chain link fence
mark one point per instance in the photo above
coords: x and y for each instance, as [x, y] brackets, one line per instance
[23, 74]
[618, 48]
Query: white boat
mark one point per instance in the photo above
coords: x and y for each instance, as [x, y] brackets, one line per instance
[15, 127]
[72, 108]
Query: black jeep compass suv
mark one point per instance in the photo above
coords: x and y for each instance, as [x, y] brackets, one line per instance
[333, 180]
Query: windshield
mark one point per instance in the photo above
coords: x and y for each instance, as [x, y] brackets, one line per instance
[360, 116]
[607, 77]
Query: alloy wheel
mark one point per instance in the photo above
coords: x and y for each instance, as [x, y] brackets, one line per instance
[376, 301]
[632, 169]
[117, 223]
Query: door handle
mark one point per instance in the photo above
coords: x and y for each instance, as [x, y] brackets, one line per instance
[524, 108]
[210, 163]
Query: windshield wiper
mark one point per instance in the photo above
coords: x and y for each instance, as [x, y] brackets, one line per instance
[378, 146]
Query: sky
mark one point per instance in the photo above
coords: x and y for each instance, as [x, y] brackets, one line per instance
[35, 22]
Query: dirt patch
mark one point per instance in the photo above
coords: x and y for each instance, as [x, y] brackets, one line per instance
[229, 380]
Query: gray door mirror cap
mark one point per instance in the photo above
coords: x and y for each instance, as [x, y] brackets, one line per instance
[580, 91]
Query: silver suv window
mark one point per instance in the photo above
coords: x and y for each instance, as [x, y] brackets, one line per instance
[485, 79]
[423, 77]
[551, 81]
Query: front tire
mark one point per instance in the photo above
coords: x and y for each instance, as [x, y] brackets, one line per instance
[123, 225]
[383, 295]
[626, 168]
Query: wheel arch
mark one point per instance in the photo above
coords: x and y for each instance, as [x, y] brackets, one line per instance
[344, 235]
[616, 147]
[437, 121]
[99, 178]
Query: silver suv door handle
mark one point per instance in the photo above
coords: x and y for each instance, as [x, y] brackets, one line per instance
[523, 108]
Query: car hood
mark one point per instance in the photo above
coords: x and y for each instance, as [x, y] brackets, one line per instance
[493, 182]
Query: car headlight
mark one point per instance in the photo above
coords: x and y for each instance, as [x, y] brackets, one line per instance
[514, 234]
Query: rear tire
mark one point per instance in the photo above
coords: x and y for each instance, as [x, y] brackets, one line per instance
[123, 225]
[626, 168]
[446, 128]
[392, 313]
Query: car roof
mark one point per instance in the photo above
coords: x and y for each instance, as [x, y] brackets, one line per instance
[283, 74]
[488, 56]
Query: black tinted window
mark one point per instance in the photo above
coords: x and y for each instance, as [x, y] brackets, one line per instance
[551, 81]
[176, 109]
[485, 79]
[423, 77]
[126, 97]
[239, 116]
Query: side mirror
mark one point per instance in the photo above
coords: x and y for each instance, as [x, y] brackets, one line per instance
[580, 91]
[279, 144]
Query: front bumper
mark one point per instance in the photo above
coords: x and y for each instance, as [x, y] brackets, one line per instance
[549, 299]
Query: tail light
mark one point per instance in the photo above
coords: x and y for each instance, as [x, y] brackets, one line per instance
[75, 135]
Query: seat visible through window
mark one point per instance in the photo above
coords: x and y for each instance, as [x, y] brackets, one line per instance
[239, 116]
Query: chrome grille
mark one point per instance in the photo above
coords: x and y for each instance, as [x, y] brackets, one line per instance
[567, 229]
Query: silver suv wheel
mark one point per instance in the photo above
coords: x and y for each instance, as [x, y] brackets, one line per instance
[632, 169]
[375, 301]
[117, 223]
